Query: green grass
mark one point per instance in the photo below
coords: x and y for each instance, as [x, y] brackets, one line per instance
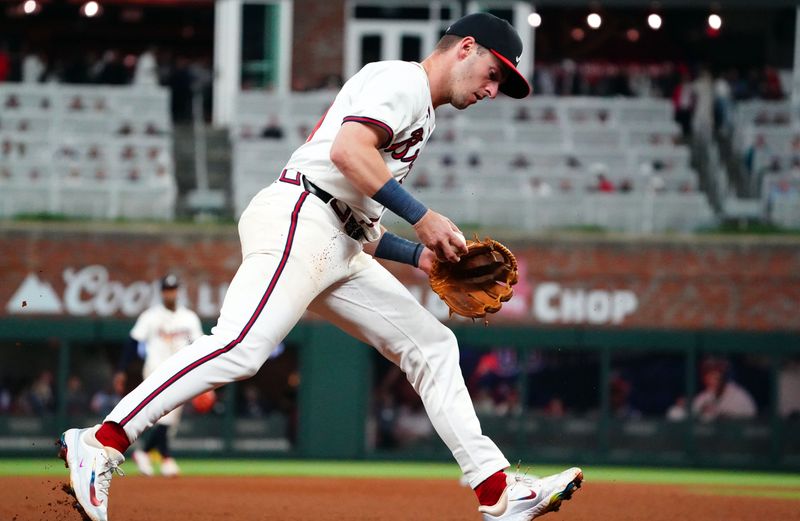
[203, 467]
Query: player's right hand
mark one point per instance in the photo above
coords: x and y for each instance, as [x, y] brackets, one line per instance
[438, 233]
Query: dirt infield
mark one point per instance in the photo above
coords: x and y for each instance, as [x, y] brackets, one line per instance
[136, 498]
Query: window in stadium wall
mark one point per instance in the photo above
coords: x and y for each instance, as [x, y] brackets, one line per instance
[394, 32]
[260, 45]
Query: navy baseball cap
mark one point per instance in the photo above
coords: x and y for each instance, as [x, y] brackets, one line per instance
[502, 40]
[170, 282]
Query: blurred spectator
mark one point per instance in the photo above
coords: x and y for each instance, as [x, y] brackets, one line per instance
[550, 115]
[721, 396]
[252, 405]
[574, 162]
[5, 63]
[604, 185]
[483, 401]
[677, 411]
[498, 365]
[146, 72]
[540, 188]
[273, 130]
[40, 398]
[6, 399]
[447, 160]
[76, 104]
[740, 88]
[413, 424]
[544, 81]
[201, 81]
[703, 113]
[104, 400]
[568, 79]
[522, 114]
[756, 162]
[12, 102]
[180, 85]
[626, 186]
[683, 105]
[619, 394]
[756, 154]
[520, 161]
[507, 402]
[421, 180]
[554, 408]
[723, 105]
[112, 71]
[789, 390]
[643, 80]
[770, 87]
[33, 68]
[387, 421]
[77, 399]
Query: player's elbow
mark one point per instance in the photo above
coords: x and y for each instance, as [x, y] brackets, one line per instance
[340, 156]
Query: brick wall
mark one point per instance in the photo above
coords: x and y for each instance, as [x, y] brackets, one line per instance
[318, 42]
[672, 284]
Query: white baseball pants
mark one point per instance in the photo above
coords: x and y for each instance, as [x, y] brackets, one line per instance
[296, 257]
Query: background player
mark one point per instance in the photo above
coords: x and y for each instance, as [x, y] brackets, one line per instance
[159, 332]
[306, 241]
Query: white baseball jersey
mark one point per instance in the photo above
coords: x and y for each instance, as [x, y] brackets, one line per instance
[296, 256]
[165, 332]
[392, 95]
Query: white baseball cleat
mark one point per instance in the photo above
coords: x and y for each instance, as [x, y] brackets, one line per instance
[169, 468]
[91, 467]
[143, 463]
[526, 498]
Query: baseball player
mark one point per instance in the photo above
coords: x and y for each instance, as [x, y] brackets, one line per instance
[309, 241]
[160, 332]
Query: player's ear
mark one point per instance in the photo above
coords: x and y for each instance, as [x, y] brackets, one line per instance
[466, 46]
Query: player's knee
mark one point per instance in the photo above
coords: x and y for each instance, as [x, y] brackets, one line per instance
[250, 369]
[443, 346]
[446, 339]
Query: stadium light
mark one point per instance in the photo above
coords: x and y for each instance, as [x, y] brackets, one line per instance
[594, 21]
[90, 9]
[714, 21]
[534, 19]
[654, 21]
[30, 7]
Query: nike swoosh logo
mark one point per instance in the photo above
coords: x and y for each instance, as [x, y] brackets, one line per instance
[92, 494]
[532, 496]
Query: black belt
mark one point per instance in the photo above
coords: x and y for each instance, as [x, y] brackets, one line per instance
[351, 226]
[315, 190]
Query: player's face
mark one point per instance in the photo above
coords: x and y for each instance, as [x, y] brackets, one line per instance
[478, 76]
[169, 297]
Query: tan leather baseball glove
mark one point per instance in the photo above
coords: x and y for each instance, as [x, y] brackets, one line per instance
[480, 282]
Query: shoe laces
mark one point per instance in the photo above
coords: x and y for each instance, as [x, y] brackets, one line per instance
[107, 470]
[523, 478]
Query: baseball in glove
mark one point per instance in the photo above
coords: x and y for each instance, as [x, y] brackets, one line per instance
[480, 282]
